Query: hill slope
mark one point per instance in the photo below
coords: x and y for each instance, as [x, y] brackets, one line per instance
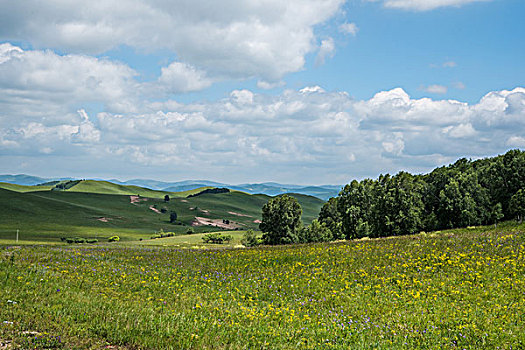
[49, 215]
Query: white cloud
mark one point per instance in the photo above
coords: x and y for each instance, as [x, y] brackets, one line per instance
[426, 5]
[516, 141]
[436, 89]
[326, 50]
[31, 77]
[261, 84]
[297, 134]
[180, 77]
[264, 39]
[349, 28]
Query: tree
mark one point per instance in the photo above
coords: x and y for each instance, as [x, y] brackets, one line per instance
[173, 217]
[316, 232]
[166, 198]
[249, 239]
[356, 203]
[331, 218]
[281, 220]
[496, 214]
[517, 204]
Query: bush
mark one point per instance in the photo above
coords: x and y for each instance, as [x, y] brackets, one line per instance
[190, 231]
[114, 239]
[216, 238]
[316, 232]
[94, 240]
[249, 239]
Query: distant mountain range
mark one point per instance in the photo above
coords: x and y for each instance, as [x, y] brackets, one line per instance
[323, 192]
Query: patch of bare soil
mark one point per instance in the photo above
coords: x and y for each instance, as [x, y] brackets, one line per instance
[136, 199]
[184, 201]
[103, 219]
[5, 344]
[200, 221]
[155, 209]
[257, 221]
[239, 214]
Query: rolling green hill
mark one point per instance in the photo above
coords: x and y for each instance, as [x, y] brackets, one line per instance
[22, 188]
[98, 209]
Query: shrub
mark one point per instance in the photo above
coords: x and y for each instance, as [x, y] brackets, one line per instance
[216, 238]
[94, 240]
[80, 240]
[249, 239]
[190, 231]
[114, 239]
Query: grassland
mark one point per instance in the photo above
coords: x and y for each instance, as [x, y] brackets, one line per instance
[45, 216]
[461, 289]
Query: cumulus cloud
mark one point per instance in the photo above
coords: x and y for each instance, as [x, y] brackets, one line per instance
[426, 5]
[299, 134]
[228, 38]
[180, 77]
[31, 77]
[44, 99]
[326, 50]
[349, 28]
[436, 89]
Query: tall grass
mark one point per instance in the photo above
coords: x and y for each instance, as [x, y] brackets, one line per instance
[461, 289]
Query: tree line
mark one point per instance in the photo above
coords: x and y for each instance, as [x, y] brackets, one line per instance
[466, 193]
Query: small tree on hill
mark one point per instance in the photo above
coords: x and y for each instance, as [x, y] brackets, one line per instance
[166, 198]
[281, 220]
[517, 204]
[173, 217]
[496, 214]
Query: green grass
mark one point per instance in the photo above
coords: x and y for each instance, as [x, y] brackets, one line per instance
[192, 241]
[45, 216]
[105, 187]
[460, 289]
[22, 188]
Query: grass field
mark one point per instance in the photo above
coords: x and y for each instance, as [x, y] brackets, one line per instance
[192, 241]
[48, 215]
[460, 289]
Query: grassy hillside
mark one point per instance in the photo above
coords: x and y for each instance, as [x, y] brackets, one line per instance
[49, 215]
[23, 188]
[105, 187]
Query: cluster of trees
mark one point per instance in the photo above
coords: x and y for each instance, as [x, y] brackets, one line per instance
[465, 193]
[216, 238]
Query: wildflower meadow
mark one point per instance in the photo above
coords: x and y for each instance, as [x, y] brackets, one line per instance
[451, 290]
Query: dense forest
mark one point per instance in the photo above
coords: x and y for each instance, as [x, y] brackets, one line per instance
[466, 193]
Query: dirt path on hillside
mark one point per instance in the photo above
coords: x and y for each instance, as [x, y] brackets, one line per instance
[155, 209]
[200, 221]
[136, 199]
[239, 214]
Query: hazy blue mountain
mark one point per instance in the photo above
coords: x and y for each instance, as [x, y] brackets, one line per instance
[26, 180]
[268, 188]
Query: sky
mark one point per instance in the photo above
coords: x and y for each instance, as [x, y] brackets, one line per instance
[297, 91]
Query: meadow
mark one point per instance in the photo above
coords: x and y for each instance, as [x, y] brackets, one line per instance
[458, 289]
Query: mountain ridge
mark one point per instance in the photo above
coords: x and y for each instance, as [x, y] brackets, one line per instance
[323, 192]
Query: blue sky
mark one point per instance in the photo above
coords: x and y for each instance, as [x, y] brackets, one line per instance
[306, 92]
